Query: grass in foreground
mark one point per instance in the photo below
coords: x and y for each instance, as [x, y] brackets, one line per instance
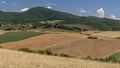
[16, 36]
[15, 59]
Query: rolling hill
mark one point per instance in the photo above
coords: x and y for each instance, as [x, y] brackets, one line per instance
[74, 44]
[32, 18]
[35, 15]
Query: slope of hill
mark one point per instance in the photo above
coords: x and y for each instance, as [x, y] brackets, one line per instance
[33, 17]
[14, 59]
[36, 14]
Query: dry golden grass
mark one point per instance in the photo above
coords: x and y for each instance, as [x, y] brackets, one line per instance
[107, 34]
[90, 32]
[14, 59]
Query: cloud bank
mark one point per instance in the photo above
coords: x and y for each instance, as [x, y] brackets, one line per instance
[114, 17]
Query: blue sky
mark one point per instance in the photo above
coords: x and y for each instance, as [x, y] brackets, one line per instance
[100, 8]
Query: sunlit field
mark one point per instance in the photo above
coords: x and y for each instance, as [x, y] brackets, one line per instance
[14, 59]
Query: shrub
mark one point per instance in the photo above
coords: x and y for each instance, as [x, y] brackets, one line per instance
[88, 58]
[26, 50]
[48, 52]
[65, 55]
[101, 59]
[92, 37]
[111, 59]
[1, 47]
[40, 52]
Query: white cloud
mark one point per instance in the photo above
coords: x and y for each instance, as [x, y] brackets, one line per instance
[24, 9]
[49, 7]
[101, 12]
[114, 17]
[82, 10]
[3, 2]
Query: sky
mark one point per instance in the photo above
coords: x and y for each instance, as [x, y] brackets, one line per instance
[99, 8]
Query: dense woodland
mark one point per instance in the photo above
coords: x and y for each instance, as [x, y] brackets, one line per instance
[32, 19]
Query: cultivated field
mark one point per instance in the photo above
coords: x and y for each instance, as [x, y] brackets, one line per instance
[88, 47]
[43, 41]
[14, 59]
[107, 34]
[17, 35]
[75, 44]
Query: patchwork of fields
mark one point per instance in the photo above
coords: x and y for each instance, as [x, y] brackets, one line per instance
[74, 44]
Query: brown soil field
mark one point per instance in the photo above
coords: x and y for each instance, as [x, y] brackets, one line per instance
[88, 47]
[74, 44]
[43, 41]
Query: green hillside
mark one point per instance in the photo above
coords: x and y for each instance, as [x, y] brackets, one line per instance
[32, 19]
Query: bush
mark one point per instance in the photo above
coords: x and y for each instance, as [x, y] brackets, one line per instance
[92, 37]
[111, 59]
[26, 50]
[1, 47]
[87, 58]
[65, 55]
[101, 59]
[48, 52]
[40, 52]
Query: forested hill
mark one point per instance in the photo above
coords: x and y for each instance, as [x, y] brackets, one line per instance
[54, 19]
[35, 14]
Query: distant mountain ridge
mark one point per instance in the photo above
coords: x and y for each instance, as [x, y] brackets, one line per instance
[35, 14]
[69, 21]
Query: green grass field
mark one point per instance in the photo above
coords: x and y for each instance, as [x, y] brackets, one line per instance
[16, 36]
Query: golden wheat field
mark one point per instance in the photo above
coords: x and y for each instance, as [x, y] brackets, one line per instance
[15, 59]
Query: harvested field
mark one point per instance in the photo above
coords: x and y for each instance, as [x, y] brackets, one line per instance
[43, 41]
[74, 44]
[88, 47]
[108, 34]
[14, 59]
